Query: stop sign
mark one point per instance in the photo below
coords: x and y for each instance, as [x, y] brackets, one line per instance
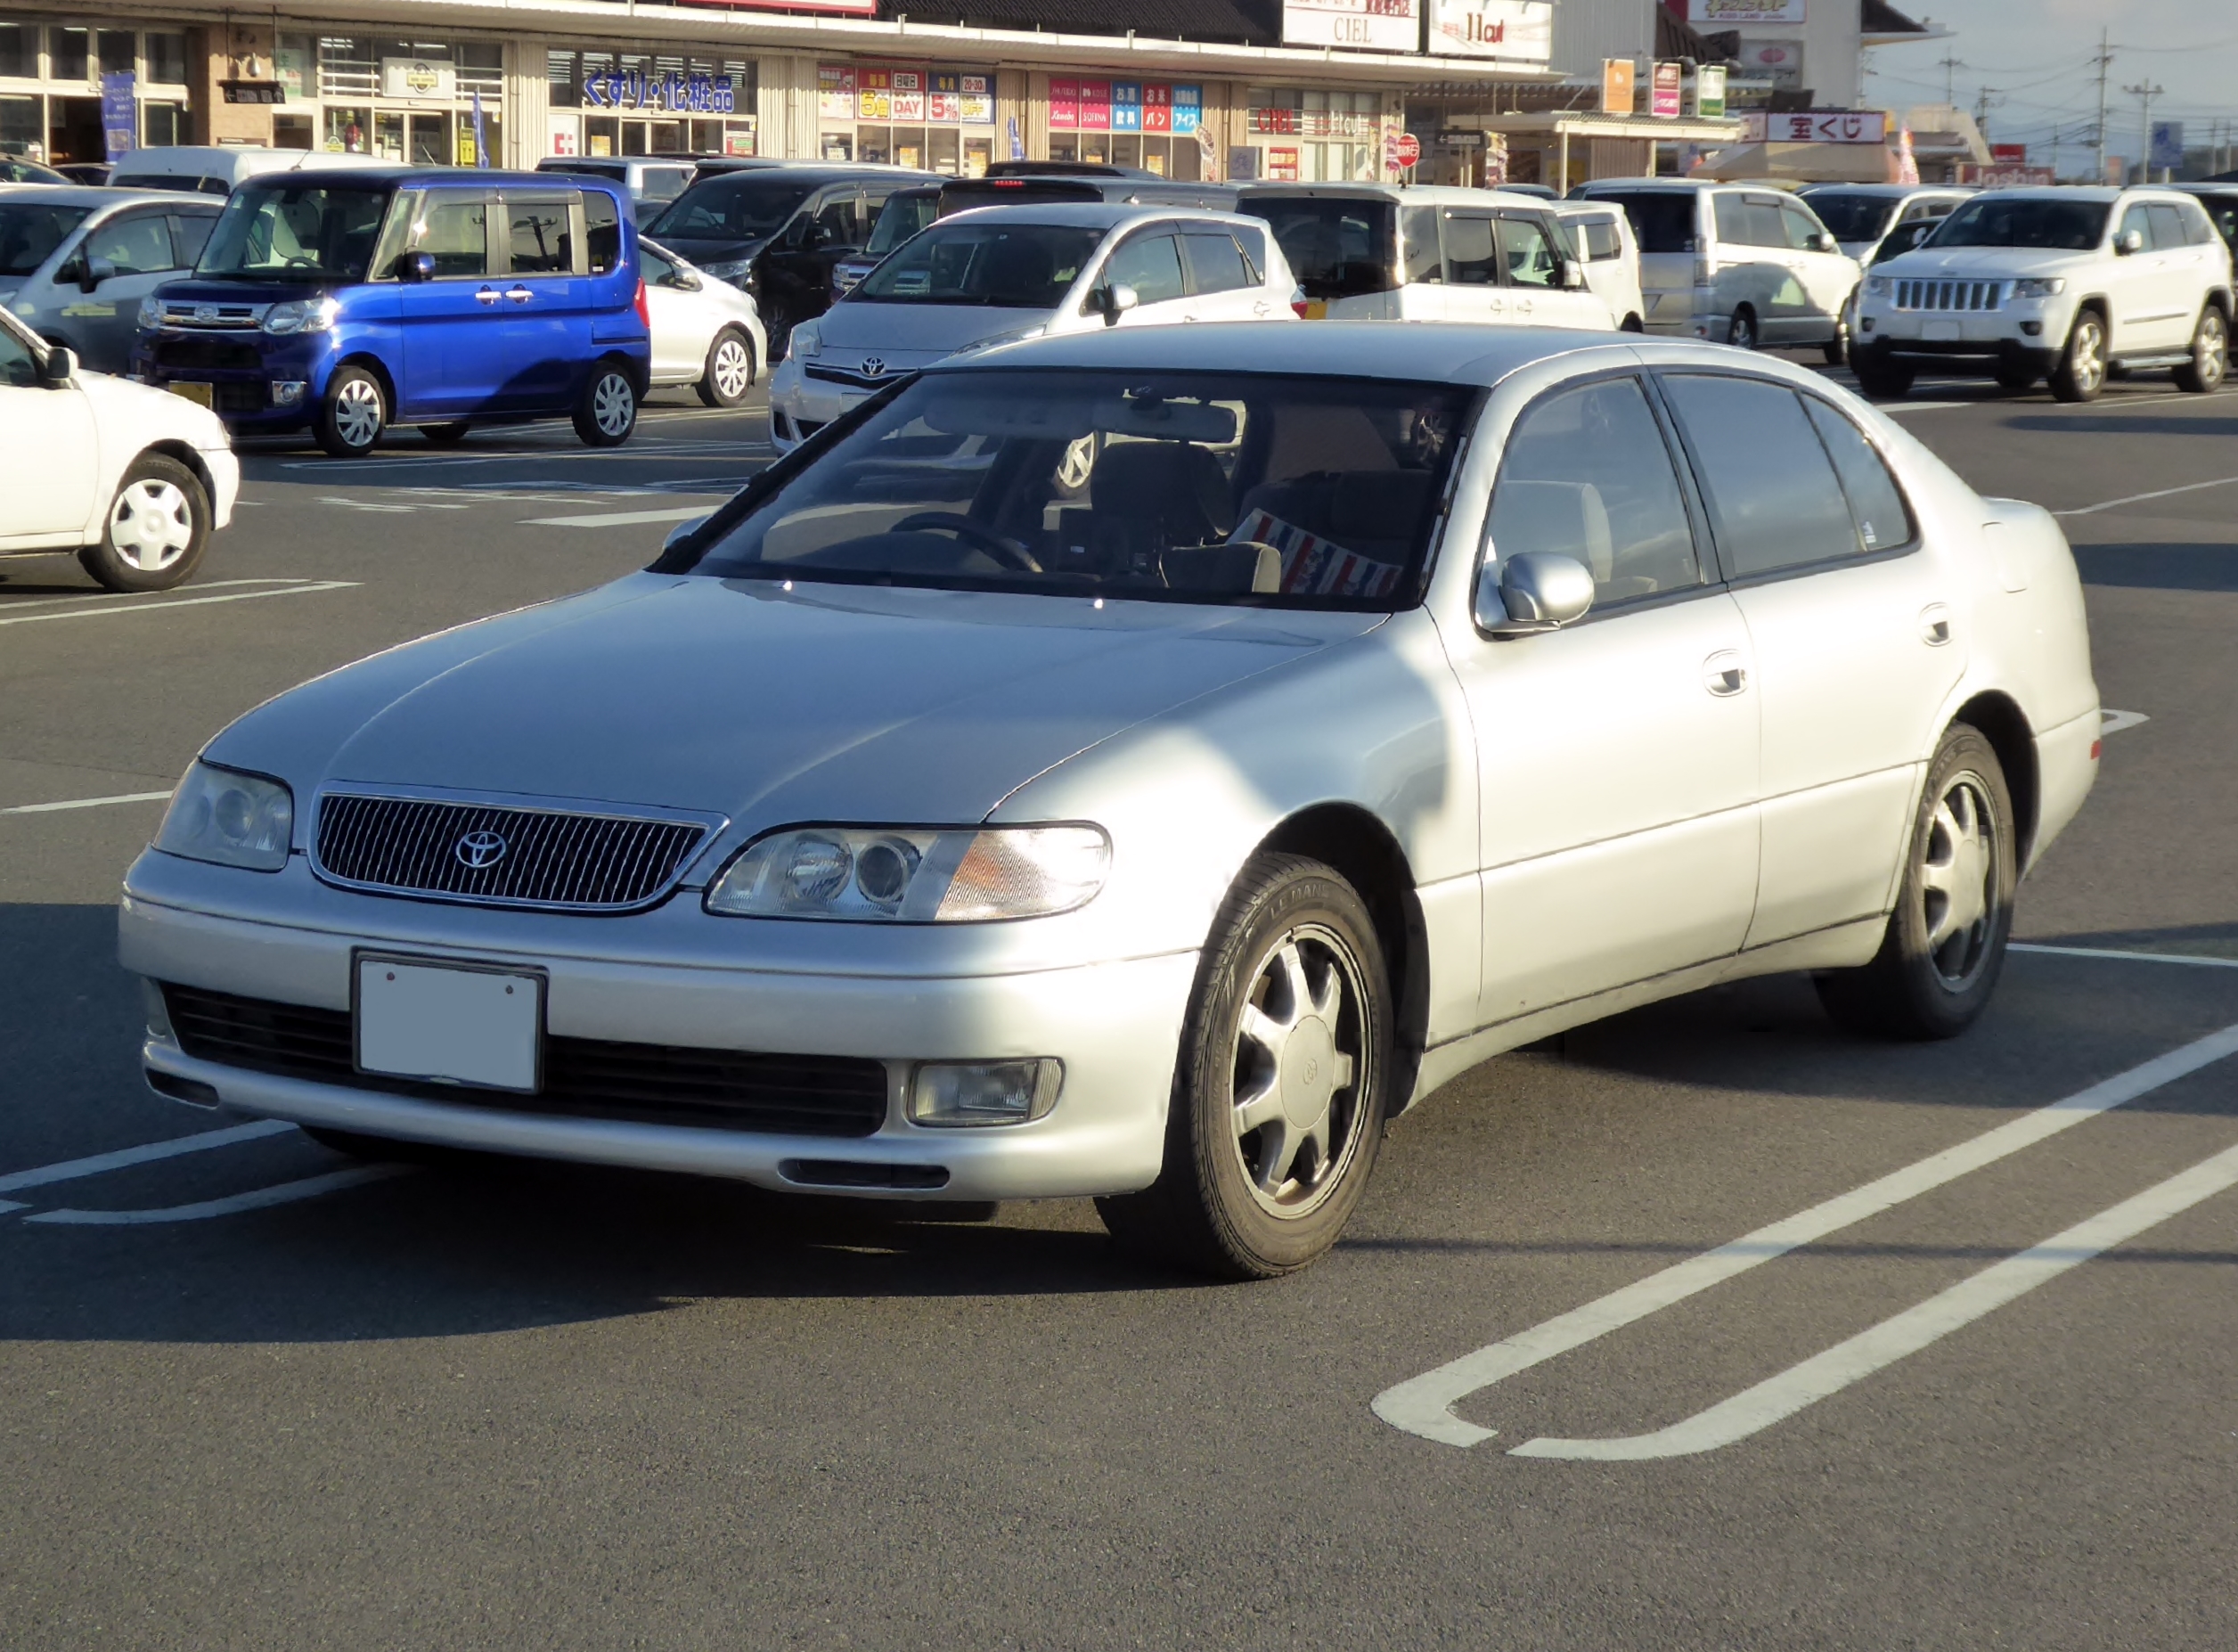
[1406, 149]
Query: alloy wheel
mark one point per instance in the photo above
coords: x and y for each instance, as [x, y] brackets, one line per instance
[1958, 881]
[2210, 351]
[2089, 354]
[358, 414]
[152, 524]
[613, 405]
[734, 370]
[1299, 1071]
[1742, 334]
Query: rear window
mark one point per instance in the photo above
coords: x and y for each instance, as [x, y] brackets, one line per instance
[601, 230]
[1027, 266]
[738, 206]
[177, 181]
[1662, 220]
[963, 196]
[1336, 248]
[1852, 217]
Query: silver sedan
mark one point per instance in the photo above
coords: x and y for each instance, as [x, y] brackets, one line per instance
[931, 824]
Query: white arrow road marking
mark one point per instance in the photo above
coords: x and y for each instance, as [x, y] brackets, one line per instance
[1782, 1396]
[2114, 721]
[285, 1193]
[123, 1159]
[1423, 1405]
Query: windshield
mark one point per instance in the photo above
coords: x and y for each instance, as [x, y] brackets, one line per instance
[2067, 226]
[1004, 266]
[900, 218]
[1337, 248]
[1852, 217]
[1662, 220]
[740, 207]
[283, 231]
[28, 235]
[1159, 487]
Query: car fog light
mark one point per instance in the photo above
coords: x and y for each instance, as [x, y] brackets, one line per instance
[2035, 330]
[287, 392]
[1865, 323]
[947, 1094]
[159, 1013]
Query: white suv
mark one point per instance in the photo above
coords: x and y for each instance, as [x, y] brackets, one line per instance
[2065, 284]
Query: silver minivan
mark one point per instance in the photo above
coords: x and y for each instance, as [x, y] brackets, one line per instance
[1734, 263]
[75, 261]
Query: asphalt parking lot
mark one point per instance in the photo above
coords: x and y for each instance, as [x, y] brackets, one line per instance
[1752, 1335]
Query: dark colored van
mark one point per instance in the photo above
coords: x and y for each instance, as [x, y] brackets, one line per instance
[348, 301]
[1036, 188]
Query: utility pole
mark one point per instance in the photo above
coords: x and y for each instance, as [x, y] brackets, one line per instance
[2144, 92]
[1950, 65]
[1982, 95]
[2105, 58]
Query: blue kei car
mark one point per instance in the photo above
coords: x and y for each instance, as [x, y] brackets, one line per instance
[344, 302]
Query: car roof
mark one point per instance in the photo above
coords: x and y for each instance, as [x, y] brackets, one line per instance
[820, 172]
[97, 196]
[456, 177]
[1095, 213]
[2098, 192]
[1428, 195]
[1890, 191]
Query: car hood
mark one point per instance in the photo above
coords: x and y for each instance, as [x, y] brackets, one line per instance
[741, 697]
[932, 330]
[140, 413]
[2005, 263]
[720, 249]
[207, 290]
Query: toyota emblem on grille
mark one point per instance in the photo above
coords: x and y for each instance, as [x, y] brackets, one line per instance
[479, 850]
[206, 314]
[874, 367]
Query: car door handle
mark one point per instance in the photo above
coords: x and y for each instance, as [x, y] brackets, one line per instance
[485, 295]
[1262, 308]
[1934, 625]
[520, 295]
[1725, 674]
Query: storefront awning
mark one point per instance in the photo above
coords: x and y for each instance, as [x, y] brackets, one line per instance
[1803, 163]
[1576, 124]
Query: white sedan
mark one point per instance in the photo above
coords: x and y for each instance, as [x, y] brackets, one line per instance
[135, 480]
[706, 333]
[1391, 696]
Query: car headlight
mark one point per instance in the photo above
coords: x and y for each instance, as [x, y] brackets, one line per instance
[230, 818]
[2043, 288]
[807, 340]
[914, 874]
[726, 269]
[302, 315]
[150, 313]
[1876, 286]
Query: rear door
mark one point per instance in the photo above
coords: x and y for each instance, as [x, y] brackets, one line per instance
[546, 324]
[2191, 274]
[1474, 289]
[454, 325]
[2145, 302]
[1222, 284]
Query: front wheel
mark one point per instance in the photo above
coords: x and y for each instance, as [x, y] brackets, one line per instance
[1880, 376]
[2203, 374]
[1282, 1086]
[156, 529]
[2081, 373]
[729, 372]
[607, 411]
[353, 415]
[1945, 947]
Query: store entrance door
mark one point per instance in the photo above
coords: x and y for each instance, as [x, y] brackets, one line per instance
[74, 129]
[416, 138]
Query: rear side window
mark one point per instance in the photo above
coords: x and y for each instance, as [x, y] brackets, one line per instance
[191, 232]
[1215, 265]
[1774, 499]
[1876, 505]
[1662, 220]
[2167, 227]
[1150, 264]
[1471, 258]
[1588, 475]
[1601, 240]
[601, 230]
[1419, 227]
[1253, 244]
[538, 232]
[455, 232]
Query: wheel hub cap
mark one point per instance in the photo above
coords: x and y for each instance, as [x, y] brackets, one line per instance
[152, 525]
[1958, 878]
[1296, 1081]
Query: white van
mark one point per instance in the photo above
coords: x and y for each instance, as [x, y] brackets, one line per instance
[1377, 252]
[218, 169]
[1601, 238]
[1734, 263]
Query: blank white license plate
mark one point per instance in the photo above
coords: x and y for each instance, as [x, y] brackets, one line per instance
[460, 1025]
[1944, 332]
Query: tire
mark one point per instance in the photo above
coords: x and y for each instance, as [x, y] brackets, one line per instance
[1293, 1004]
[1880, 377]
[1837, 349]
[1939, 961]
[2017, 379]
[2081, 373]
[353, 414]
[2209, 365]
[446, 434]
[606, 412]
[1741, 331]
[729, 372]
[1632, 323]
[156, 529]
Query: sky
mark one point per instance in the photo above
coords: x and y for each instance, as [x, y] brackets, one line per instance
[2034, 57]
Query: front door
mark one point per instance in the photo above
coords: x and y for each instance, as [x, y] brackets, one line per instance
[138, 246]
[1857, 652]
[796, 274]
[1151, 264]
[50, 449]
[1531, 260]
[454, 324]
[1618, 757]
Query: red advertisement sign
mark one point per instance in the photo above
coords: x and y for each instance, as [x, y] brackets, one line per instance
[1664, 100]
[1157, 108]
[2009, 154]
[1064, 105]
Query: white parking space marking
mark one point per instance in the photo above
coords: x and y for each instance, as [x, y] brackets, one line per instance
[2158, 492]
[123, 1159]
[260, 1199]
[2114, 721]
[84, 803]
[166, 604]
[1423, 1405]
[619, 518]
[128, 596]
[1907, 1333]
[2121, 957]
[1905, 407]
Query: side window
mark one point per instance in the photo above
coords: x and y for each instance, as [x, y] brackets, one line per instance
[1762, 218]
[1471, 259]
[1150, 264]
[1253, 245]
[1801, 227]
[601, 230]
[536, 229]
[1418, 228]
[665, 182]
[1733, 226]
[835, 224]
[657, 271]
[2198, 228]
[2167, 227]
[1875, 503]
[1526, 253]
[1601, 240]
[191, 232]
[1215, 265]
[138, 244]
[2137, 220]
[1588, 474]
[1774, 499]
[455, 228]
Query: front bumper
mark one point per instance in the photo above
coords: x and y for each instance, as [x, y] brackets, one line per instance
[1115, 1027]
[224, 467]
[1960, 355]
[243, 368]
[800, 406]
[2023, 336]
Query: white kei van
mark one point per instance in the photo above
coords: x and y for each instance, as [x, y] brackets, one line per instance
[218, 169]
[1601, 238]
[1379, 253]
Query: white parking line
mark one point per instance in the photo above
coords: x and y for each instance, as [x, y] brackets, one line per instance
[620, 518]
[1904, 407]
[127, 596]
[123, 1159]
[2121, 957]
[165, 604]
[260, 1198]
[84, 803]
[1907, 1333]
[1423, 1405]
[2160, 493]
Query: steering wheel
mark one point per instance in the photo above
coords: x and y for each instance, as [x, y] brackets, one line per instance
[1002, 547]
[297, 261]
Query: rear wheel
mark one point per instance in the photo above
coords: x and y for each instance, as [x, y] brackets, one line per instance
[1741, 332]
[2081, 373]
[446, 434]
[2203, 374]
[1882, 377]
[353, 414]
[156, 529]
[607, 411]
[729, 370]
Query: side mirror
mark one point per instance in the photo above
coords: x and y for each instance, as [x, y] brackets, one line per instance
[1115, 301]
[1573, 273]
[59, 367]
[2128, 242]
[93, 272]
[416, 268]
[1532, 592]
[684, 280]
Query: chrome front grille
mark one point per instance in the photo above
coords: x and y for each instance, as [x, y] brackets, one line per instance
[235, 317]
[498, 855]
[1915, 293]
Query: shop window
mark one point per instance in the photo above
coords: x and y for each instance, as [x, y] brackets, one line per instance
[22, 127]
[119, 50]
[294, 65]
[167, 59]
[70, 49]
[20, 50]
[289, 132]
[346, 130]
[162, 125]
[481, 68]
[346, 68]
